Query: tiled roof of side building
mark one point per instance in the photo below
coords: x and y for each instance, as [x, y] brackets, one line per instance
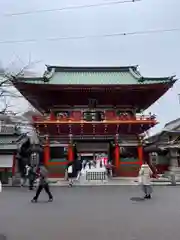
[127, 75]
[8, 139]
[170, 127]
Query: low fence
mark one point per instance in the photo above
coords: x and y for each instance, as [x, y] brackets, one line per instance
[101, 176]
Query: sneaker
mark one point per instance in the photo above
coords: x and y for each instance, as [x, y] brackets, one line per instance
[50, 200]
[34, 200]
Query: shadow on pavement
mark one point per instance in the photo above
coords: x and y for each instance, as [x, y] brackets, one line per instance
[137, 199]
[39, 201]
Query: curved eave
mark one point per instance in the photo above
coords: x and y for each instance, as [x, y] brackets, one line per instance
[170, 80]
[161, 78]
[47, 82]
[27, 80]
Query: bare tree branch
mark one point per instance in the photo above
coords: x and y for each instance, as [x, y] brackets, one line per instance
[7, 90]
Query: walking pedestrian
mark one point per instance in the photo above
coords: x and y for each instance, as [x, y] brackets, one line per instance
[70, 170]
[24, 175]
[43, 184]
[145, 174]
[84, 162]
[32, 176]
[78, 166]
[109, 168]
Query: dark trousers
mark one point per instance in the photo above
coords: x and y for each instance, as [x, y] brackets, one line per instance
[31, 184]
[40, 188]
[24, 180]
[147, 189]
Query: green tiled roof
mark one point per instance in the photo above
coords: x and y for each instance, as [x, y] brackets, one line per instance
[95, 76]
[92, 78]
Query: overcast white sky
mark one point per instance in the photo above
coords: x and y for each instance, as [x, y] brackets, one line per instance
[156, 54]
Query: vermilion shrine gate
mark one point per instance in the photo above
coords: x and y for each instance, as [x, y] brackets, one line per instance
[93, 110]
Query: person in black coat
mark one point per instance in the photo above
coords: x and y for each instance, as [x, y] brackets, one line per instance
[43, 184]
[32, 174]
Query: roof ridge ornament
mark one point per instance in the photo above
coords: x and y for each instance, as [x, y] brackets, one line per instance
[172, 78]
[48, 74]
[135, 73]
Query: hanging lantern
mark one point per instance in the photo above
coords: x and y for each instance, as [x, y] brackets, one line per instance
[94, 129]
[58, 129]
[116, 138]
[106, 129]
[117, 129]
[46, 128]
[70, 129]
[70, 138]
[47, 138]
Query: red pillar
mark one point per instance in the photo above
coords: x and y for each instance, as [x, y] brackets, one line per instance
[46, 153]
[117, 157]
[70, 153]
[140, 154]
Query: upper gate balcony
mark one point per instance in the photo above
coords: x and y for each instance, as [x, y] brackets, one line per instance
[108, 117]
[93, 122]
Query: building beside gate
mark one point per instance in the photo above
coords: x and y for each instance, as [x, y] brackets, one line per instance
[164, 147]
[10, 135]
[90, 110]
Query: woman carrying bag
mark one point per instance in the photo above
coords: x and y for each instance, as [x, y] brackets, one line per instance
[145, 174]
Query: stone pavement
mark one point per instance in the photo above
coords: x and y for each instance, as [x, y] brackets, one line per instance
[120, 181]
[100, 213]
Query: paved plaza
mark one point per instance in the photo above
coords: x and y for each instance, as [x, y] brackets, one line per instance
[101, 213]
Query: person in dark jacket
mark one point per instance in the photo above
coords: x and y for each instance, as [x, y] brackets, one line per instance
[24, 175]
[32, 176]
[78, 167]
[43, 184]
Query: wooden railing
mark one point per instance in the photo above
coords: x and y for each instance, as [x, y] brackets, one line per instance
[116, 118]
